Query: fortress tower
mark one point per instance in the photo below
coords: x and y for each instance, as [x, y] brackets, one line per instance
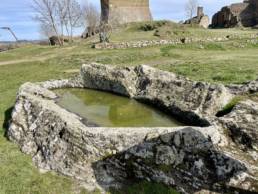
[125, 11]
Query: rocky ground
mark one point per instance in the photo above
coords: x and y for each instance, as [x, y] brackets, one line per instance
[220, 154]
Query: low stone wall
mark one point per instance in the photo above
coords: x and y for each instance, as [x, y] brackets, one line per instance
[191, 159]
[148, 43]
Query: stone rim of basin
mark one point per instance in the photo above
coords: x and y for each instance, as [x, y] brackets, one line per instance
[105, 109]
[58, 140]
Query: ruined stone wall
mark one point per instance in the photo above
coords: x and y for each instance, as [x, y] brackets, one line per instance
[238, 14]
[254, 3]
[148, 43]
[201, 19]
[126, 11]
[237, 8]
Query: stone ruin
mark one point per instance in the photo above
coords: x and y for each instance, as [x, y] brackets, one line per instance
[125, 11]
[238, 14]
[218, 157]
[120, 12]
[201, 19]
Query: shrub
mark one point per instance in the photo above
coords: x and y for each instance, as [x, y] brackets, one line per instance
[150, 26]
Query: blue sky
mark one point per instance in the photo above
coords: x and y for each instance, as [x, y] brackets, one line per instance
[18, 14]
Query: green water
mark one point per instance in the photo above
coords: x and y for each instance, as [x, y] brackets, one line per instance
[110, 110]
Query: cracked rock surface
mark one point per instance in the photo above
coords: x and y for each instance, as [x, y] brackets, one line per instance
[221, 156]
[183, 98]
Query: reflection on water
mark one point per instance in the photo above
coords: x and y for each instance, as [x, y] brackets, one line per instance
[110, 110]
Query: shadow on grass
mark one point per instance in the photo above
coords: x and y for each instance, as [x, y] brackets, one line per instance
[7, 118]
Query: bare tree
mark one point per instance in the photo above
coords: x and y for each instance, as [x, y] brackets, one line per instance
[57, 15]
[46, 30]
[108, 27]
[91, 18]
[62, 14]
[191, 8]
[46, 15]
[74, 17]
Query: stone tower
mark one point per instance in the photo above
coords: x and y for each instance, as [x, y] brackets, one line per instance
[200, 12]
[125, 11]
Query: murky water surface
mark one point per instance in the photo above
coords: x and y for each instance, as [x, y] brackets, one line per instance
[110, 110]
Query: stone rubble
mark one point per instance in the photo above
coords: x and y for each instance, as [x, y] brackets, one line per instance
[148, 43]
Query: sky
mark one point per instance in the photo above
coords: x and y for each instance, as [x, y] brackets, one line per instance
[18, 14]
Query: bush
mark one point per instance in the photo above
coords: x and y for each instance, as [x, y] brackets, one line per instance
[156, 33]
[150, 26]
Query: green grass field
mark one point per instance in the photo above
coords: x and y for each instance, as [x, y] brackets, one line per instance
[234, 61]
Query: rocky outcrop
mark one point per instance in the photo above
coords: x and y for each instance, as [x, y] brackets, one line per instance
[238, 14]
[123, 11]
[185, 99]
[242, 123]
[59, 140]
[204, 21]
[185, 159]
[190, 159]
[247, 88]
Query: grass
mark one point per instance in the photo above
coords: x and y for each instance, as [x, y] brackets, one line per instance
[171, 30]
[18, 174]
[222, 62]
[212, 62]
[230, 106]
[145, 188]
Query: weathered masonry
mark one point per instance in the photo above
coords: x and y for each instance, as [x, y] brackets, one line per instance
[237, 14]
[125, 11]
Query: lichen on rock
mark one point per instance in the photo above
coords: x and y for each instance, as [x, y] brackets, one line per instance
[191, 158]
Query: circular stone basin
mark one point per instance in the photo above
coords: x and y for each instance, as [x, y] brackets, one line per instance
[110, 110]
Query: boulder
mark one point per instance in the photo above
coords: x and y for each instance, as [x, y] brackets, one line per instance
[204, 21]
[247, 88]
[109, 78]
[59, 140]
[53, 40]
[242, 123]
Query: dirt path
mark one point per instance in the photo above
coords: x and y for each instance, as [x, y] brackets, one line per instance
[25, 60]
[15, 61]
